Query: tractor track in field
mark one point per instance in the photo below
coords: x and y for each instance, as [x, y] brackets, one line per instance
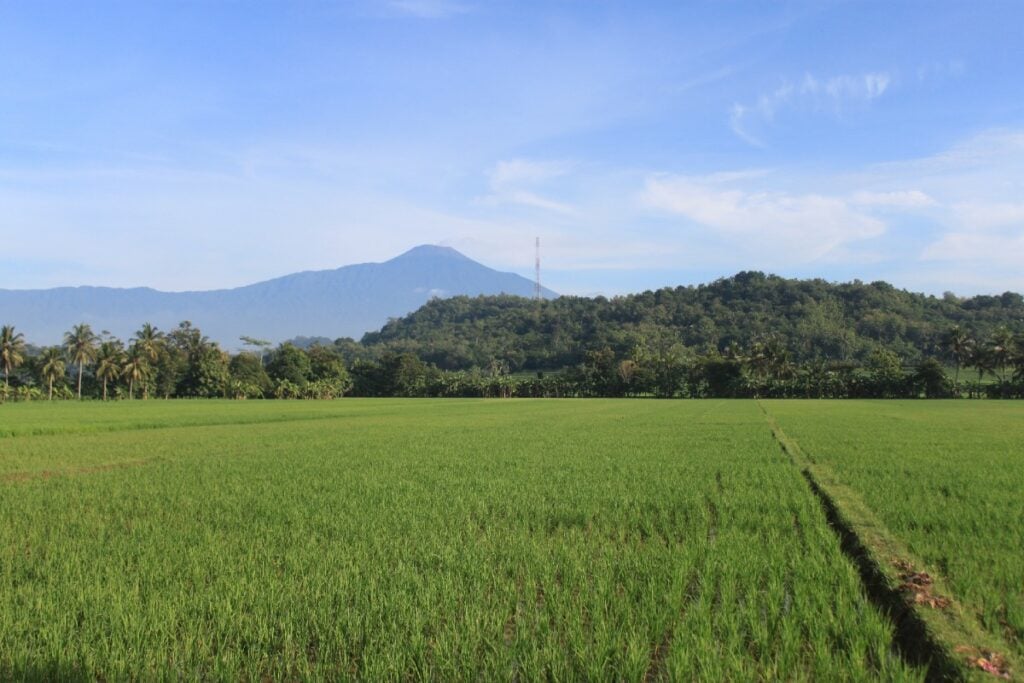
[17, 477]
[936, 635]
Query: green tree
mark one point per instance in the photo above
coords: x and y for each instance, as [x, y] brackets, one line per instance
[80, 345]
[259, 346]
[206, 375]
[247, 370]
[326, 365]
[51, 367]
[291, 363]
[150, 341]
[959, 345]
[198, 365]
[930, 377]
[1000, 350]
[12, 351]
[108, 363]
[886, 372]
[135, 367]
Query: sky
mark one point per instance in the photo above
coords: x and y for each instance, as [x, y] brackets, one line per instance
[199, 145]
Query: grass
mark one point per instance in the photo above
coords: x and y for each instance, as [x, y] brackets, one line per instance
[945, 478]
[420, 539]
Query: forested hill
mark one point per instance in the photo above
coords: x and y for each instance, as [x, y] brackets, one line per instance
[815, 319]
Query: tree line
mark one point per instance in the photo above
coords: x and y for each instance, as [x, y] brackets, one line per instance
[183, 363]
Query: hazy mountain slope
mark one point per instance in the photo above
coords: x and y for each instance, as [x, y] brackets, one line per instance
[347, 301]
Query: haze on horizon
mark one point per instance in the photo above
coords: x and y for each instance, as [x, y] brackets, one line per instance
[188, 146]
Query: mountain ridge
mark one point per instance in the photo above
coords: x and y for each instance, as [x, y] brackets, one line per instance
[342, 302]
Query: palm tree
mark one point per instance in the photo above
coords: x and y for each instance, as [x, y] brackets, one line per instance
[960, 347]
[80, 344]
[981, 360]
[148, 339]
[52, 366]
[1018, 357]
[135, 367]
[1000, 348]
[108, 363]
[12, 351]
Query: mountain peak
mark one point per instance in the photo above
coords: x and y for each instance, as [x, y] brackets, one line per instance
[345, 302]
[431, 251]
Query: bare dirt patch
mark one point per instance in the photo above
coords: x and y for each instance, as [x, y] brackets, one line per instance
[918, 586]
[72, 472]
[986, 660]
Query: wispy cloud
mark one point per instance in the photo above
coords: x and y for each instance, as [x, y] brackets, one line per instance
[974, 250]
[806, 227]
[517, 181]
[819, 94]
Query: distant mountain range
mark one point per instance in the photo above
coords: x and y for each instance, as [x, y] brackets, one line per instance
[345, 302]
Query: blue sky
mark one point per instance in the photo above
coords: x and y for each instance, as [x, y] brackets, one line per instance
[193, 145]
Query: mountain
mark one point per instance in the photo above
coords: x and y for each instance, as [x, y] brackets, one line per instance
[345, 302]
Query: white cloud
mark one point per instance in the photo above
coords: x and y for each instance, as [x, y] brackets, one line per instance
[515, 182]
[833, 93]
[799, 227]
[978, 250]
[977, 216]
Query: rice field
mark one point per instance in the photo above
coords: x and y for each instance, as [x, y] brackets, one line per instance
[481, 540]
[946, 477]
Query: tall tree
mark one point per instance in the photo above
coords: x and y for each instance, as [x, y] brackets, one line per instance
[135, 368]
[80, 344]
[12, 350]
[959, 345]
[52, 366]
[1000, 347]
[148, 339]
[108, 363]
[260, 345]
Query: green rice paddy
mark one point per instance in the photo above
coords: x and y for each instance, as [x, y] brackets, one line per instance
[486, 540]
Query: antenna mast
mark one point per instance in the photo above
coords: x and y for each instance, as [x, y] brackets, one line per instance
[536, 282]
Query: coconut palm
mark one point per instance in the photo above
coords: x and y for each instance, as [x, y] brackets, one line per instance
[135, 367]
[80, 344]
[52, 366]
[1018, 358]
[12, 350]
[981, 360]
[108, 363]
[1000, 348]
[148, 339]
[960, 347]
